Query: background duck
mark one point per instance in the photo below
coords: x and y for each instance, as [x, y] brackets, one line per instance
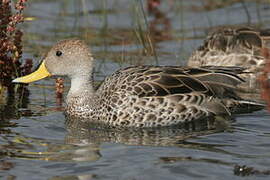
[234, 47]
[141, 96]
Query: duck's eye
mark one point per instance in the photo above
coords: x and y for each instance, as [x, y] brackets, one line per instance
[58, 53]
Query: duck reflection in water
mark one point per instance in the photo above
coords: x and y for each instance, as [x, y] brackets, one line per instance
[12, 102]
[83, 132]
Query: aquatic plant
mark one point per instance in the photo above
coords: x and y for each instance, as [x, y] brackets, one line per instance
[11, 41]
[152, 5]
[11, 14]
[142, 31]
[59, 86]
[11, 49]
[159, 25]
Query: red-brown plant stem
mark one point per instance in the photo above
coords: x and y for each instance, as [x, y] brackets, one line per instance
[10, 40]
[264, 77]
[59, 85]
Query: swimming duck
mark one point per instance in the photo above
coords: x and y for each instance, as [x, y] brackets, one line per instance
[140, 96]
[234, 47]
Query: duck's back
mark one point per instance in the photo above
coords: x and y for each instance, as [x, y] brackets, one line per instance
[149, 96]
[234, 47]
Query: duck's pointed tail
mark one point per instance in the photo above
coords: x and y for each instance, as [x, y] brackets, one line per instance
[244, 106]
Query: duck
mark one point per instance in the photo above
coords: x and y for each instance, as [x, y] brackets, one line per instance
[235, 46]
[140, 96]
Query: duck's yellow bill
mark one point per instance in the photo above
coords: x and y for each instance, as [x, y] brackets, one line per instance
[41, 73]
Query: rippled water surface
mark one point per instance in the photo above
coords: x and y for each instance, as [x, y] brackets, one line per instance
[37, 142]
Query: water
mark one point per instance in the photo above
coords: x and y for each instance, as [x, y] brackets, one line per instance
[36, 141]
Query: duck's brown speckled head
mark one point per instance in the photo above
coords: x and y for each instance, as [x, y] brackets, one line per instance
[70, 57]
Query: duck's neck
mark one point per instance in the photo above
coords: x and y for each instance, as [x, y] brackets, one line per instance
[81, 85]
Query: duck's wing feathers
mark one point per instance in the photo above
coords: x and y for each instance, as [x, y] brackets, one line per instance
[209, 89]
[169, 80]
[236, 40]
